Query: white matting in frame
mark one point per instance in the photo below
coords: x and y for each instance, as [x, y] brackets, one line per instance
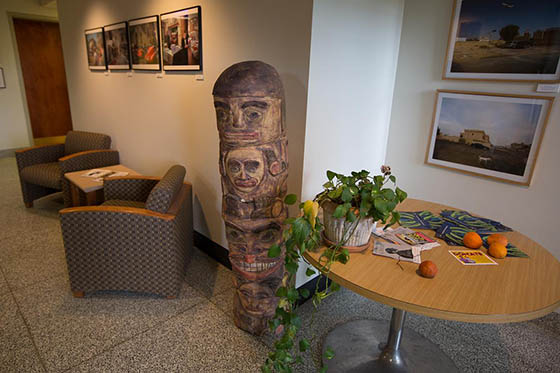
[488, 134]
[477, 50]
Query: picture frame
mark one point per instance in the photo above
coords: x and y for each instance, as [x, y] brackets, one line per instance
[144, 40]
[492, 135]
[95, 48]
[181, 39]
[2, 80]
[504, 41]
[117, 48]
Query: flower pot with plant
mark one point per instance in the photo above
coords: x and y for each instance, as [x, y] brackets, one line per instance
[353, 204]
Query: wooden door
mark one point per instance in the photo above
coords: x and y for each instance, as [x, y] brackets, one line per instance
[42, 65]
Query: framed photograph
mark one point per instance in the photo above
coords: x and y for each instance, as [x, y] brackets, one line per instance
[488, 134]
[512, 40]
[116, 46]
[181, 39]
[2, 81]
[144, 43]
[95, 46]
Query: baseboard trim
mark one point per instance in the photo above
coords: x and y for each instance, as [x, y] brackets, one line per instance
[8, 153]
[214, 250]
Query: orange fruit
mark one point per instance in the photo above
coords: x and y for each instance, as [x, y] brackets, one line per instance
[497, 238]
[497, 250]
[472, 240]
[427, 269]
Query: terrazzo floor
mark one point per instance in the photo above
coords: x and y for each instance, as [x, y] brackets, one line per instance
[44, 329]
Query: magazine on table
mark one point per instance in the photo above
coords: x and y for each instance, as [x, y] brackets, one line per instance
[472, 257]
[405, 236]
[100, 174]
[405, 253]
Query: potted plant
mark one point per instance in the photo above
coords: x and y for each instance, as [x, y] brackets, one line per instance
[356, 197]
[354, 203]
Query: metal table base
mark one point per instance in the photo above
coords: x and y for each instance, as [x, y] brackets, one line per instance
[358, 347]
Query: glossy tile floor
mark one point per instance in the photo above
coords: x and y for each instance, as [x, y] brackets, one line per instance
[43, 328]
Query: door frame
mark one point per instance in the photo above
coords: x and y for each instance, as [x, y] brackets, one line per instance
[32, 17]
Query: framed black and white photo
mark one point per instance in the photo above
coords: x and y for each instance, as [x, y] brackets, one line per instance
[2, 81]
[511, 40]
[95, 47]
[488, 134]
[144, 43]
[181, 39]
[117, 50]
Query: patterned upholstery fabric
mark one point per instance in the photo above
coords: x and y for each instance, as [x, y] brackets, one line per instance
[132, 189]
[118, 250]
[124, 203]
[44, 174]
[163, 193]
[79, 141]
[39, 154]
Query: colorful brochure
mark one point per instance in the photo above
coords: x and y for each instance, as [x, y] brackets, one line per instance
[472, 257]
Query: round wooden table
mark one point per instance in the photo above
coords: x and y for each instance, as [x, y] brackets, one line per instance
[517, 289]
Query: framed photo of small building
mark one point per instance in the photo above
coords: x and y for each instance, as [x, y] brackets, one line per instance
[488, 134]
[512, 40]
[144, 43]
[117, 50]
[95, 47]
[181, 39]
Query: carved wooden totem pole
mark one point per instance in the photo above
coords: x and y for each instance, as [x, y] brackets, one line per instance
[249, 103]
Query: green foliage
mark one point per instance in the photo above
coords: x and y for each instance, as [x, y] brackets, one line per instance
[357, 196]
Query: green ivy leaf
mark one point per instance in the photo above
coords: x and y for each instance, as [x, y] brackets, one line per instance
[293, 295]
[282, 292]
[292, 267]
[350, 216]
[303, 345]
[274, 251]
[346, 195]
[335, 286]
[329, 353]
[310, 272]
[290, 199]
[304, 293]
[388, 194]
[401, 194]
[330, 175]
[340, 211]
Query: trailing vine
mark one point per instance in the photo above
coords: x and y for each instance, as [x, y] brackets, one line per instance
[357, 196]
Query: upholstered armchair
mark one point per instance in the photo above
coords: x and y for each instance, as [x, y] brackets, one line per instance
[138, 240]
[42, 168]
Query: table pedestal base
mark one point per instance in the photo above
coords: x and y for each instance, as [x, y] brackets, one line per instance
[359, 346]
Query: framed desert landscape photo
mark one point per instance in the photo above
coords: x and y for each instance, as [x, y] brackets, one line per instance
[95, 47]
[512, 40]
[144, 43]
[116, 46]
[181, 39]
[487, 134]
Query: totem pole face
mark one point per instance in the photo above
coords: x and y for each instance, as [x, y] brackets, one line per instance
[248, 248]
[246, 121]
[255, 301]
[249, 103]
[245, 168]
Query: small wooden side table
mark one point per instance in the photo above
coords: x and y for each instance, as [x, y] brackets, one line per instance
[93, 190]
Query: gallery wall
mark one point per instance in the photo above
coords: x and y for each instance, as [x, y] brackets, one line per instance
[156, 120]
[14, 127]
[531, 210]
[352, 68]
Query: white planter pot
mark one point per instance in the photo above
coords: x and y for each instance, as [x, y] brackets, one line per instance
[335, 227]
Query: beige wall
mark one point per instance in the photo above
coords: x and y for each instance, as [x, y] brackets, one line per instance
[531, 210]
[14, 127]
[155, 122]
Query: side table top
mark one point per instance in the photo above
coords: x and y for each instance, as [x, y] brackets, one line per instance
[88, 184]
[517, 289]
